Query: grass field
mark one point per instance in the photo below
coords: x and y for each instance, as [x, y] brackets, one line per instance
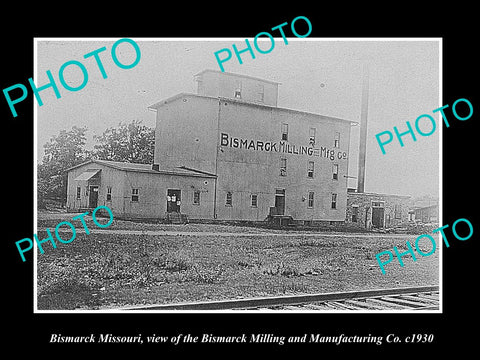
[179, 263]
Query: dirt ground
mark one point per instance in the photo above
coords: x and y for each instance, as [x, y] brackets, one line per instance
[131, 263]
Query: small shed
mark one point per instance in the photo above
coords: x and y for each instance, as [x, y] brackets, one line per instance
[140, 190]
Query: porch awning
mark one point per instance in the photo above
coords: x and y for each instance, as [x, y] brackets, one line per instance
[87, 175]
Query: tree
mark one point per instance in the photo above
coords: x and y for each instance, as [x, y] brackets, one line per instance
[132, 143]
[63, 151]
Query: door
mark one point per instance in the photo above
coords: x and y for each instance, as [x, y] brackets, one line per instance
[173, 200]
[93, 196]
[377, 217]
[280, 202]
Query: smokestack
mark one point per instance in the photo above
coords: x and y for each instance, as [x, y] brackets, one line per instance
[362, 148]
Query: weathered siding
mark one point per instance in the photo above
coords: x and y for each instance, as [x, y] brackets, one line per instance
[363, 201]
[191, 131]
[248, 171]
[152, 195]
[203, 121]
[152, 192]
[216, 84]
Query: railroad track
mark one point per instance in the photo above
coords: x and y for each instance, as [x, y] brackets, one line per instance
[409, 298]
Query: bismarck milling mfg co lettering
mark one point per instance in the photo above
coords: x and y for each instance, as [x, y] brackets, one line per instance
[280, 147]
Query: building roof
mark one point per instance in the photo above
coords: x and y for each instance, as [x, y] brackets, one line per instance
[237, 75]
[146, 168]
[239, 101]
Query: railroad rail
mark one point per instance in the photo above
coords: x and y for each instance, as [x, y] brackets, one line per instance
[407, 298]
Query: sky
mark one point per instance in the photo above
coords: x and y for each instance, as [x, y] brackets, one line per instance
[322, 76]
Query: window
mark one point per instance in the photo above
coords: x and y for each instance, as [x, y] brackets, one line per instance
[228, 199]
[285, 132]
[398, 211]
[334, 201]
[311, 136]
[79, 189]
[196, 197]
[254, 200]
[238, 89]
[109, 193]
[261, 92]
[378, 203]
[283, 167]
[335, 171]
[336, 142]
[134, 194]
[310, 169]
[355, 213]
[311, 195]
